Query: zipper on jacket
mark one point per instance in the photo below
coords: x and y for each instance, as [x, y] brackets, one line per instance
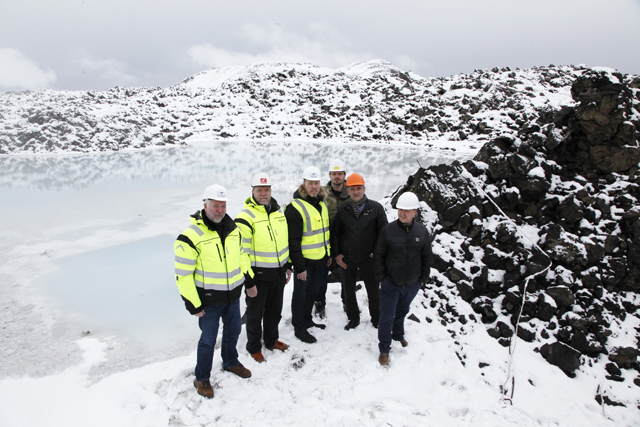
[275, 242]
[226, 269]
[219, 255]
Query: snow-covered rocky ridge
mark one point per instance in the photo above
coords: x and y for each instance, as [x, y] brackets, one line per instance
[542, 232]
[373, 101]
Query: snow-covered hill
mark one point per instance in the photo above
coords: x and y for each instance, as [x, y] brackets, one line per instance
[540, 237]
[373, 101]
[562, 170]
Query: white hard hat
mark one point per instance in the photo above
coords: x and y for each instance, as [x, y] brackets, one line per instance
[311, 173]
[336, 165]
[408, 201]
[215, 192]
[261, 179]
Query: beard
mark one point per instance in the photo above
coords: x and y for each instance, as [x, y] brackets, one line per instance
[216, 218]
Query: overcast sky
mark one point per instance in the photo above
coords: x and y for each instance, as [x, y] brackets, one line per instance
[99, 44]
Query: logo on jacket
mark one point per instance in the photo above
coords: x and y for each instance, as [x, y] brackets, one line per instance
[417, 239]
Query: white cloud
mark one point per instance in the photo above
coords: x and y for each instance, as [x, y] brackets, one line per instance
[19, 72]
[111, 70]
[407, 63]
[320, 45]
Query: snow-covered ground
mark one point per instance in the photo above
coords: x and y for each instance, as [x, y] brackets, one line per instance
[94, 332]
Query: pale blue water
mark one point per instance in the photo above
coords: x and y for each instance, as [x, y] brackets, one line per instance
[126, 288]
[53, 202]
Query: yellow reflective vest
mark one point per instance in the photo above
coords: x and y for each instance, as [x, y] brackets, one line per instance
[265, 236]
[207, 271]
[315, 229]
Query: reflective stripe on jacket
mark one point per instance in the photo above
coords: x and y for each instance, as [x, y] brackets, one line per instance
[207, 271]
[265, 236]
[315, 229]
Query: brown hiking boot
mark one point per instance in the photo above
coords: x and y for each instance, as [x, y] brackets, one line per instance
[384, 359]
[258, 357]
[279, 345]
[239, 370]
[404, 343]
[204, 388]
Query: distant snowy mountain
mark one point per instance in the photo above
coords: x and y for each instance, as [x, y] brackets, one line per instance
[372, 101]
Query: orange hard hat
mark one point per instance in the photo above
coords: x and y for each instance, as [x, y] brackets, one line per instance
[355, 179]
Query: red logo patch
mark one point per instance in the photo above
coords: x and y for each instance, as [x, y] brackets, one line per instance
[263, 180]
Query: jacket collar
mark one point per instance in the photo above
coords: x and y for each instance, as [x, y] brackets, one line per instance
[225, 226]
[252, 203]
[343, 195]
[406, 228]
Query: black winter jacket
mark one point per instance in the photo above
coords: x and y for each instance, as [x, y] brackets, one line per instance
[403, 253]
[354, 237]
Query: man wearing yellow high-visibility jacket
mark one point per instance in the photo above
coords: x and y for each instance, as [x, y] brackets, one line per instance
[309, 250]
[210, 269]
[265, 238]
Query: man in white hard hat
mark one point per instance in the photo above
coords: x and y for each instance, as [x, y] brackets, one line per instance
[210, 269]
[336, 194]
[402, 258]
[265, 238]
[309, 250]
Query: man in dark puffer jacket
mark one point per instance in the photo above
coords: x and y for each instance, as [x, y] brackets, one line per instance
[402, 259]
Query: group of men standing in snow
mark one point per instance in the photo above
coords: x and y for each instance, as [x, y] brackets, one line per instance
[332, 227]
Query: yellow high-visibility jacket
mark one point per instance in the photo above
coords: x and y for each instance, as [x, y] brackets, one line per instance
[315, 229]
[265, 237]
[207, 271]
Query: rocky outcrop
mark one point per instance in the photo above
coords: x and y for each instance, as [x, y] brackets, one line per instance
[540, 233]
[374, 102]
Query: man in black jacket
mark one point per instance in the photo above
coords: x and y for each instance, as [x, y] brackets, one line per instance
[402, 258]
[353, 236]
[309, 250]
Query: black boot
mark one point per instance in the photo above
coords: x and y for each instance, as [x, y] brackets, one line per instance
[320, 309]
[306, 337]
[352, 324]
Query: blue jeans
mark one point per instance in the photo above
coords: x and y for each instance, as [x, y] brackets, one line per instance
[304, 294]
[395, 302]
[232, 325]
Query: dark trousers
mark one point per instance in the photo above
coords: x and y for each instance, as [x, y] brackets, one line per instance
[349, 276]
[304, 294]
[264, 309]
[209, 323]
[395, 302]
[336, 275]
